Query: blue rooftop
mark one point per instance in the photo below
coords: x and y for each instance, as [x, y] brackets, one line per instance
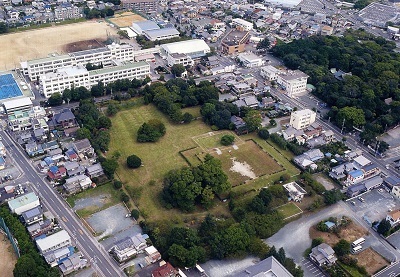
[54, 169]
[356, 173]
[330, 224]
[8, 87]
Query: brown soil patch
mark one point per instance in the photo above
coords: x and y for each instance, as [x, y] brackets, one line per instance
[371, 260]
[126, 19]
[350, 233]
[8, 257]
[82, 45]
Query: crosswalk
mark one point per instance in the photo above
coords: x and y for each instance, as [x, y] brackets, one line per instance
[310, 269]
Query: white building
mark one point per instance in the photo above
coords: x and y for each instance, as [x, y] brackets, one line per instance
[18, 104]
[77, 76]
[67, 12]
[250, 60]
[104, 55]
[53, 242]
[23, 203]
[293, 82]
[242, 24]
[270, 73]
[302, 119]
[143, 26]
[296, 193]
[194, 48]
[182, 59]
[161, 34]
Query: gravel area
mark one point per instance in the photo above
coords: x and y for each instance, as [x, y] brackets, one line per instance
[97, 201]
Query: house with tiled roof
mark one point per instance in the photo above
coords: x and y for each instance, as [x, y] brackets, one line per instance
[393, 218]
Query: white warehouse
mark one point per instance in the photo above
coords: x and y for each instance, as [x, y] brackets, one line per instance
[65, 78]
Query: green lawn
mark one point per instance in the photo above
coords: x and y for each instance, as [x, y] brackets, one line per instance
[213, 140]
[157, 158]
[353, 271]
[111, 197]
[289, 209]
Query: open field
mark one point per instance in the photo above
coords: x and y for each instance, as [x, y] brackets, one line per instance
[39, 43]
[248, 162]
[212, 140]
[157, 158]
[125, 19]
[289, 209]
[93, 200]
[8, 257]
[371, 260]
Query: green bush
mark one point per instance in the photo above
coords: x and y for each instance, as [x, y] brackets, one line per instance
[135, 214]
[133, 161]
[227, 140]
[117, 184]
[263, 133]
[124, 197]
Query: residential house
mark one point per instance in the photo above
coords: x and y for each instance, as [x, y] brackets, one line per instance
[308, 159]
[329, 136]
[54, 257]
[240, 125]
[370, 170]
[393, 217]
[355, 190]
[53, 242]
[291, 134]
[51, 145]
[323, 254]
[152, 254]
[77, 183]
[71, 264]
[63, 120]
[94, 170]
[340, 172]
[56, 173]
[361, 161]
[267, 267]
[83, 148]
[355, 176]
[296, 193]
[74, 168]
[373, 183]
[71, 155]
[32, 216]
[39, 135]
[128, 247]
[393, 185]
[40, 228]
[165, 270]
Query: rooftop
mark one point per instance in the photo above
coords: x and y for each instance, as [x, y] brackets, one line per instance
[52, 240]
[22, 200]
[269, 267]
[108, 70]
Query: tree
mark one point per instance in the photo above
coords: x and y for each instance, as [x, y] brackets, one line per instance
[272, 122]
[117, 184]
[263, 133]
[187, 117]
[384, 227]
[351, 116]
[135, 214]
[123, 34]
[342, 248]
[109, 167]
[133, 161]
[227, 140]
[124, 197]
[55, 99]
[112, 109]
[151, 131]
[104, 122]
[253, 120]
[3, 28]
[83, 133]
[178, 70]
[264, 44]
[332, 196]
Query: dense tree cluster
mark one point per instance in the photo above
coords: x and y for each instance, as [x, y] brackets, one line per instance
[94, 125]
[178, 93]
[30, 263]
[146, 44]
[219, 114]
[151, 131]
[186, 187]
[95, 13]
[288, 145]
[227, 140]
[358, 99]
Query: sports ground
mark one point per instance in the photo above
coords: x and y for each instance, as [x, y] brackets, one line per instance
[39, 43]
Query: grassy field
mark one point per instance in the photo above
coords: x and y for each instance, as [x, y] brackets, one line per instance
[157, 158]
[111, 198]
[289, 209]
[212, 140]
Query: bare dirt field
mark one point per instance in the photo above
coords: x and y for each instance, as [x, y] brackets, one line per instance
[39, 43]
[350, 233]
[125, 19]
[371, 260]
[8, 257]
[82, 45]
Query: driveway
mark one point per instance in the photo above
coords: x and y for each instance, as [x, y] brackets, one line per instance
[294, 237]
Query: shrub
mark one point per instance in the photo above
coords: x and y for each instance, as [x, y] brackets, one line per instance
[133, 161]
[135, 214]
[124, 197]
[117, 184]
[151, 131]
[227, 140]
[263, 133]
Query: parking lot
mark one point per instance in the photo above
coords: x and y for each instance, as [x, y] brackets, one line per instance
[310, 269]
[375, 207]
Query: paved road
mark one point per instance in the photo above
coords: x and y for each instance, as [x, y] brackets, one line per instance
[391, 271]
[87, 244]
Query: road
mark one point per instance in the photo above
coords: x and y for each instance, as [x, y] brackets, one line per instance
[391, 271]
[103, 264]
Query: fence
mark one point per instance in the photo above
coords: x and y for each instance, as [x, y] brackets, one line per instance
[4, 227]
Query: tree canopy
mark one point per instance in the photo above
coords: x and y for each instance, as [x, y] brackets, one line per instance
[151, 131]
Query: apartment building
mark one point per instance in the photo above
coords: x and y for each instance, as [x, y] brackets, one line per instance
[270, 73]
[182, 59]
[144, 6]
[103, 55]
[293, 81]
[76, 76]
[302, 119]
[67, 11]
[53, 242]
[242, 25]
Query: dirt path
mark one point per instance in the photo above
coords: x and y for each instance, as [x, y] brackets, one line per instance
[8, 257]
